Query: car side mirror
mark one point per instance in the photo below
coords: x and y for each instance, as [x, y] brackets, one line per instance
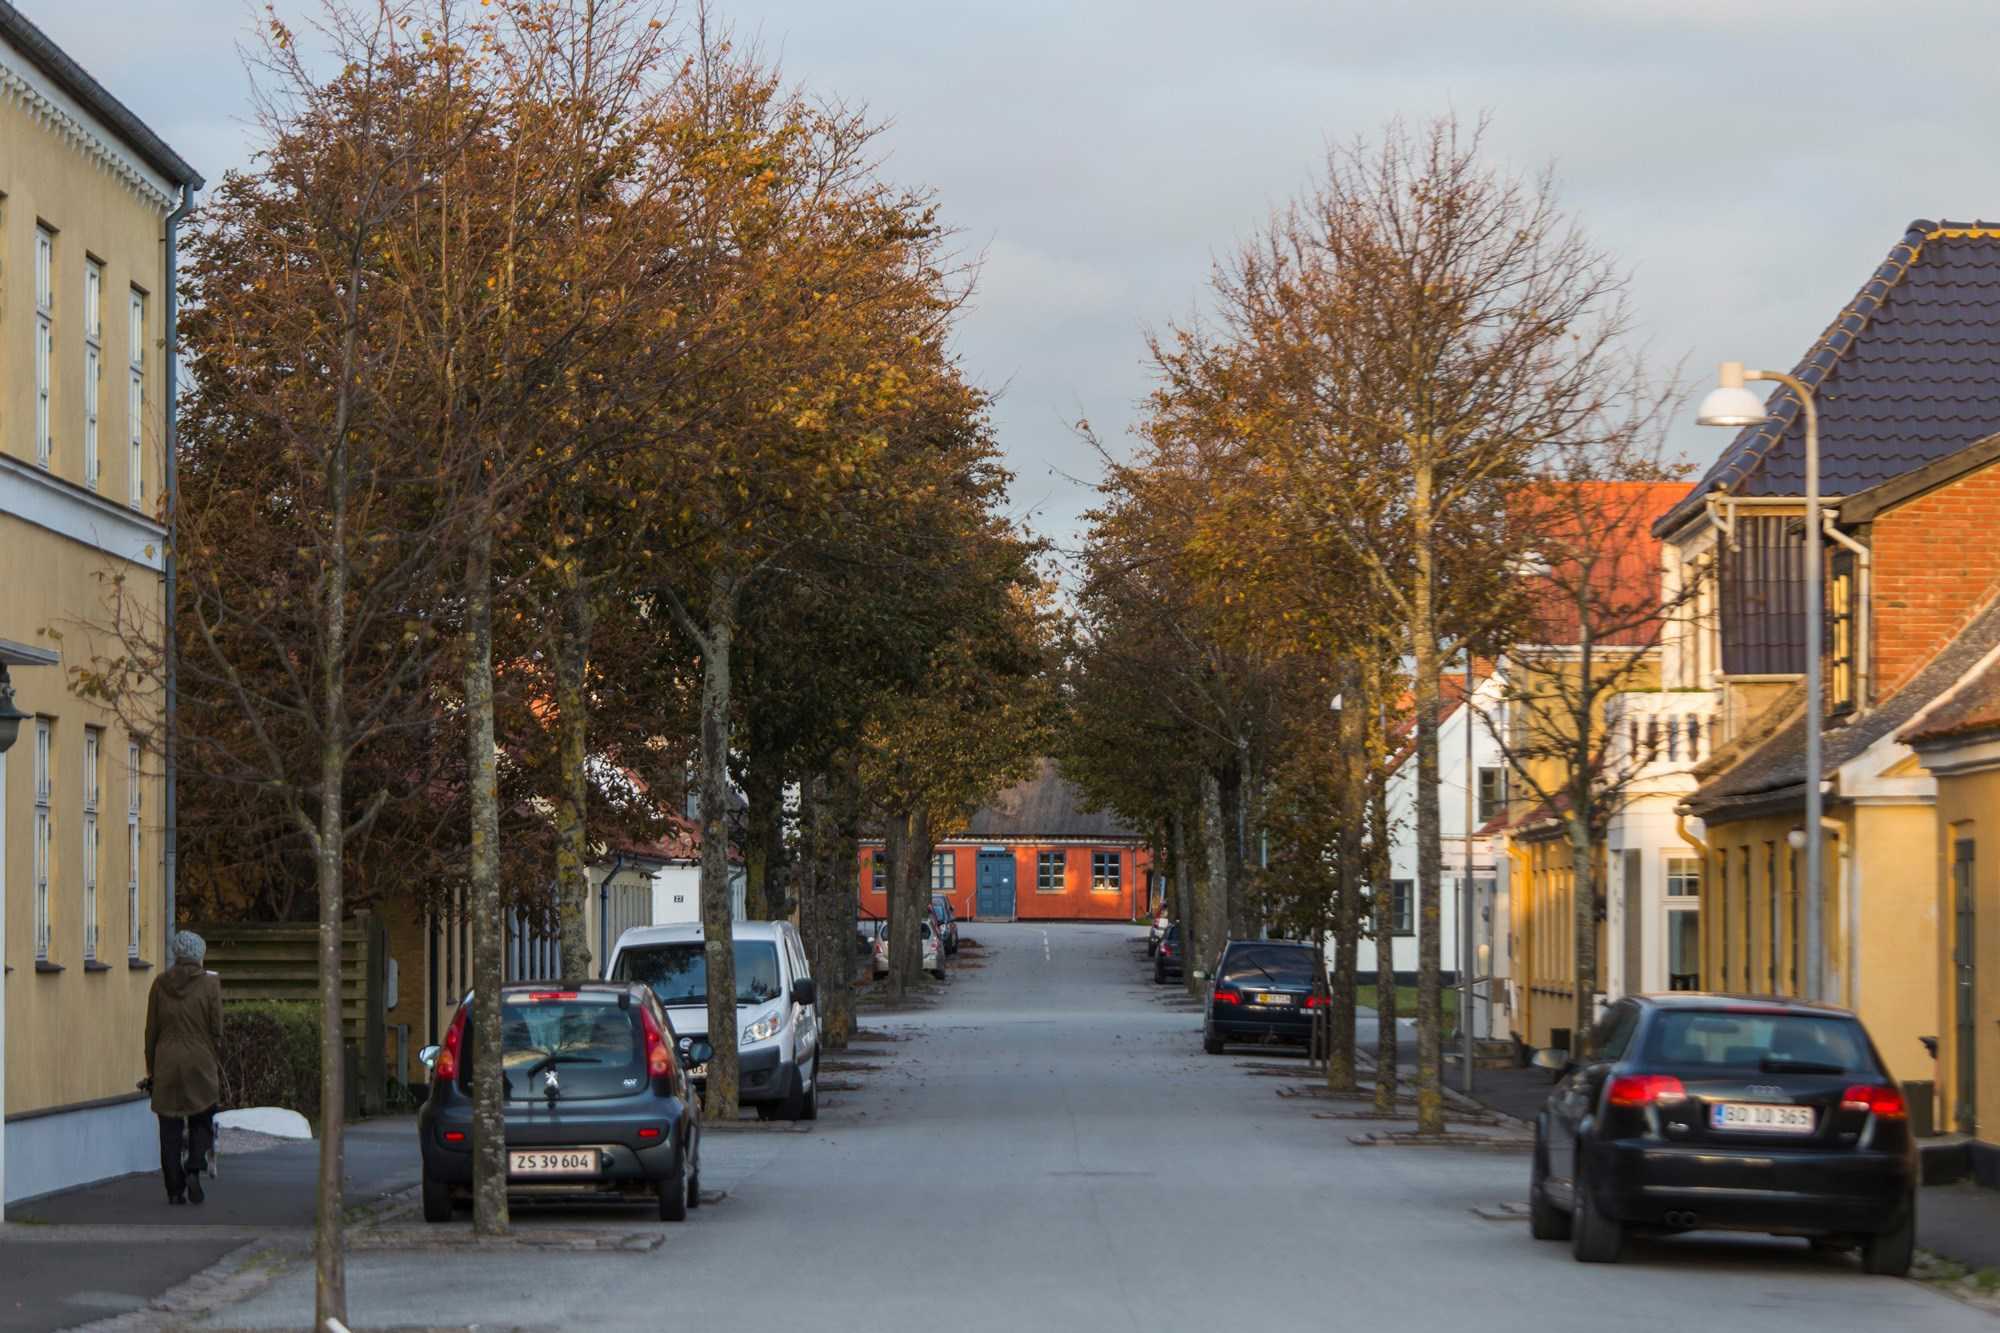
[699, 1052]
[428, 1056]
[804, 992]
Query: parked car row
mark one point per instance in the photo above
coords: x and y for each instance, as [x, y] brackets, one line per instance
[1690, 1112]
[604, 1079]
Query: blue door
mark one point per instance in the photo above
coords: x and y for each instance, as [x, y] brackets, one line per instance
[996, 886]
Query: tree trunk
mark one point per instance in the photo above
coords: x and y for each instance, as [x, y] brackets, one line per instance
[1231, 782]
[1186, 906]
[1340, 1076]
[1583, 878]
[1383, 893]
[915, 887]
[718, 906]
[902, 927]
[1215, 838]
[1430, 850]
[571, 651]
[489, 927]
[329, 1240]
[763, 852]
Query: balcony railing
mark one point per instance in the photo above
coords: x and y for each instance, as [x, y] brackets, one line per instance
[1661, 732]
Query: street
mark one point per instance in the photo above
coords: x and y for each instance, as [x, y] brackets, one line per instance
[1047, 1147]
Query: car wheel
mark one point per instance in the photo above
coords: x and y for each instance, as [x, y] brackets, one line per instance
[1593, 1238]
[811, 1109]
[437, 1199]
[1889, 1254]
[768, 1110]
[1545, 1220]
[1159, 975]
[1211, 1041]
[694, 1176]
[673, 1192]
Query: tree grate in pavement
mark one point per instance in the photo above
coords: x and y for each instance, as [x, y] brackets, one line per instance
[1465, 1142]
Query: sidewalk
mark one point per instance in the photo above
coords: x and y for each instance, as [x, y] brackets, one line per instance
[115, 1246]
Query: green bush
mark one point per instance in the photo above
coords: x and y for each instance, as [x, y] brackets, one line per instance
[270, 1055]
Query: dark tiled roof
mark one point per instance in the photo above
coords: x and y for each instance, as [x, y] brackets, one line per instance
[1909, 372]
[1777, 768]
[1047, 805]
[1974, 708]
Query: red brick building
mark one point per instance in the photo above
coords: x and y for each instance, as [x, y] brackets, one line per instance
[1033, 854]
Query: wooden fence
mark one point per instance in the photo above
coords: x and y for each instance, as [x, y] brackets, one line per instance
[258, 961]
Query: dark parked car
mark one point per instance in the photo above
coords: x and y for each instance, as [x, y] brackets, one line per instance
[1699, 1112]
[1167, 958]
[947, 921]
[597, 1102]
[1262, 991]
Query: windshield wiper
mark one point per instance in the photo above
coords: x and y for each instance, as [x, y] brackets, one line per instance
[1267, 974]
[1772, 1064]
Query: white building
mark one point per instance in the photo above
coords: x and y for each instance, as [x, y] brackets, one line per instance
[1652, 873]
[1470, 783]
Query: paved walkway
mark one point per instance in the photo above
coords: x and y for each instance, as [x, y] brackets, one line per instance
[115, 1246]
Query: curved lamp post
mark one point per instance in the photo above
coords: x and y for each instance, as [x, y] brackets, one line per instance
[1730, 404]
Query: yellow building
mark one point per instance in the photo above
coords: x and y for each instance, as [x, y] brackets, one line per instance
[1958, 741]
[88, 197]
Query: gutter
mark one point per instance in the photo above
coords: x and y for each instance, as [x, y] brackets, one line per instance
[171, 835]
[604, 913]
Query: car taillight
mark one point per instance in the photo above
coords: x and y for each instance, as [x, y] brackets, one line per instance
[1224, 995]
[1877, 1099]
[649, 1131]
[1645, 1090]
[659, 1051]
[446, 1068]
[538, 996]
[454, 1136]
[1318, 1001]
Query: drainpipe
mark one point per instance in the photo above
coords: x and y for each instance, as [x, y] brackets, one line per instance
[1701, 849]
[171, 758]
[1863, 632]
[1850, 890]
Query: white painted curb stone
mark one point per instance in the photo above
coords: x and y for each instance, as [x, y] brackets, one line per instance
[272, 1120]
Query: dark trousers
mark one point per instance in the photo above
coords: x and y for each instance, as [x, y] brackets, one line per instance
[198, 1133]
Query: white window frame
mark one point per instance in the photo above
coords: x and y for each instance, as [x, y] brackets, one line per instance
[135, 401]
[944, 872]
[45, 248]
[1058, 882]
[93, 750]
[93, 365]
[134, 842]
[1675, 904]
[44, 835]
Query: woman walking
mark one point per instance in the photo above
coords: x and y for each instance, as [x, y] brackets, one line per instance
[184, 1065]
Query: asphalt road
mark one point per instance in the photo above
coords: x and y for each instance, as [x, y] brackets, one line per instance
[1048, 1148]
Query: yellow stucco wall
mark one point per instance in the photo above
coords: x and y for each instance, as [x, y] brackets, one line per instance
[1752, 912]
[74, 1035]
[1968, 807]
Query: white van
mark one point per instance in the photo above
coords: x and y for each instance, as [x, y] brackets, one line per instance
[777, 1013]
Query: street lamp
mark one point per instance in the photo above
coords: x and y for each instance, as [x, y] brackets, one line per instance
[1730, 404]
[11, 717]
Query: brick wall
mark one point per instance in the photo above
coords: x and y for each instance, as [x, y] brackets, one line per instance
[1936, 560]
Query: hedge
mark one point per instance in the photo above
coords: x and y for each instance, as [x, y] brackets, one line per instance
[270, 1055]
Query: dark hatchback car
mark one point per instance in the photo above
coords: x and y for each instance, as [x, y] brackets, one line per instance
[1699, 1112]
[1167, 958]
[597, 1103]
[1262, 991]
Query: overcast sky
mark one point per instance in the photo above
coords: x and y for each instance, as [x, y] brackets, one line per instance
[1751, 162]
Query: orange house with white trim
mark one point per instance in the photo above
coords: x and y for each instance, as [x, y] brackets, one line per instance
[1033, 854]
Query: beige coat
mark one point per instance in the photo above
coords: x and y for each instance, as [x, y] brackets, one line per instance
[184, 1040]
